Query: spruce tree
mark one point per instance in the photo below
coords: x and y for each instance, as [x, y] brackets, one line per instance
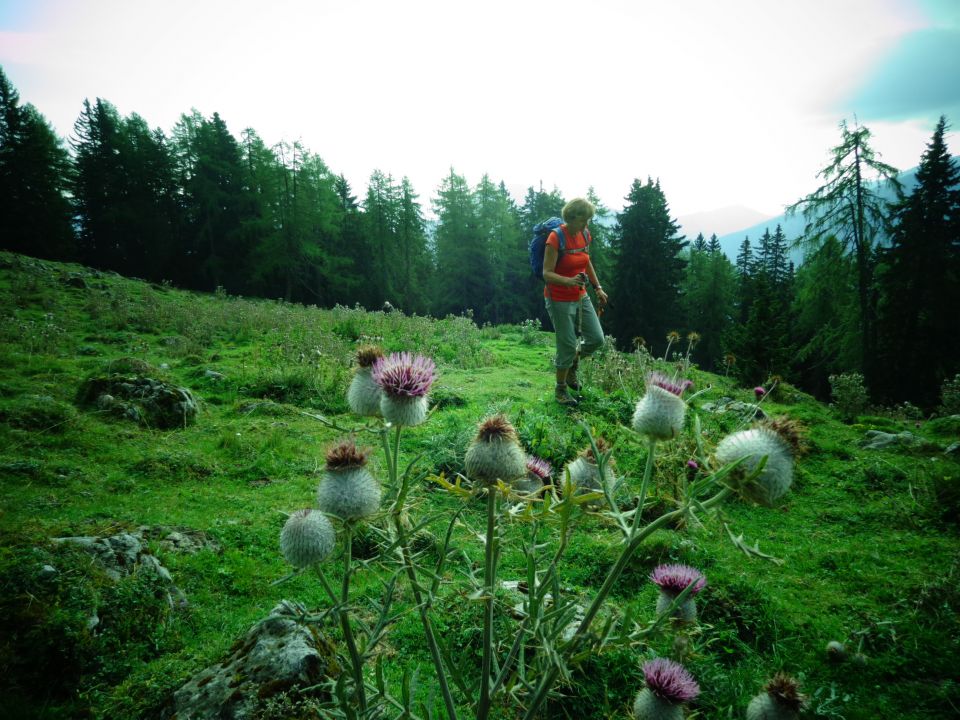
[920, 282]
[648, 270]
[464, 265]
[34, 175]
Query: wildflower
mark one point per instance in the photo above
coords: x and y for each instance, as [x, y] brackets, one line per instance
[405, 381]
[660, 412]
[669, 686]
[759, 392]
[781, 699]
[693, 338]
[585, 470]
[692, 465]
[777, 441]
[495, 453]
[673, 580]
[307, 538]
[538, 475]
[363, 395]
[348, 490]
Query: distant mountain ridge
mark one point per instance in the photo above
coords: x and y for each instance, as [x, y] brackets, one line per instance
[720, 221]
[793, 227]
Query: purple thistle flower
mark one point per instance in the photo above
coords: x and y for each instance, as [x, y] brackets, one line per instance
[759, 392]
[692, 465]
[539, 467]
[404, 375]
[670, 681]
[662, 381]
[675, 579]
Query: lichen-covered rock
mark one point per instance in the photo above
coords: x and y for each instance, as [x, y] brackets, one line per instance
[145, 400]
[278, 654]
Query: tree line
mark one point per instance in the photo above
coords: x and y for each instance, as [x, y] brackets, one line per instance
[204, 210]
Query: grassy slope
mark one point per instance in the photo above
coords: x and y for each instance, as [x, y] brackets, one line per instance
[870, 550]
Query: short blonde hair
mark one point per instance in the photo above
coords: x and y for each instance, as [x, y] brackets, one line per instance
[577, 209]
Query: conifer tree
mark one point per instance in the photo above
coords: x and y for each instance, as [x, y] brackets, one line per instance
[381, 214]
[464, 266]
[648, 270]
[346, 282]
[34, 174]
[850, 207]
[98, 186]
[920, 282]
[415, 270]
[499, 227]
[825, 316]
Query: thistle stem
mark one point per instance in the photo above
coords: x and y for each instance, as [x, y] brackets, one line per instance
[489, 580]
[647, 474]
[636, 539]
[355, 660]
[402, 487]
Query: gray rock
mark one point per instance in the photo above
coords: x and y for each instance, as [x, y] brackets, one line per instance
[879, 440]
[143, 400]
[276, 655]
[213, 375]
[47, 572]
[953, 449]
[743, 410]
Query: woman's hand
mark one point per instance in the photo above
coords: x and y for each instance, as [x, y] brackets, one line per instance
[601, 297]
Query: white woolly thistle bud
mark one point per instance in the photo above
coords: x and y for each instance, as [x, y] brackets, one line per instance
[347, 489]
[777, 439]
[495, 453]
[307, 538]
[363, 395]
[585, 471]
[754, 444]
[780, 700]
[660, 412]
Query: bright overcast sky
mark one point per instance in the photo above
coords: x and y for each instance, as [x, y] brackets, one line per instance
[727, 102]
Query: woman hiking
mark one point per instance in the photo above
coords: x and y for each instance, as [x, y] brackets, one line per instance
[566, 273]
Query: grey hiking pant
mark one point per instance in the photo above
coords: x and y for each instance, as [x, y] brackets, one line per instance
[564, 317]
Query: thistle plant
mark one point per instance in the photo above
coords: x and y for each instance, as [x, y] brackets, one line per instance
[660, 412]
[672, 337]
[348, 491]
[405, 381]
[781, 699]
[674, 580]
[766, 451]
[364, 393]
[307, 538]
[553, 628]
[668, 687]
[539, 473]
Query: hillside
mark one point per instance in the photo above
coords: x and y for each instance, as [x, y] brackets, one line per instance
[167, 434]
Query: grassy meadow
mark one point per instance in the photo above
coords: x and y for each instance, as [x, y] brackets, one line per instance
[863, 550]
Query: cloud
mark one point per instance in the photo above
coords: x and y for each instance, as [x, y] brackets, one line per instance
[917, 79]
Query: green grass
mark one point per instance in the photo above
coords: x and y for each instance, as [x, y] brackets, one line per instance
[868, 540]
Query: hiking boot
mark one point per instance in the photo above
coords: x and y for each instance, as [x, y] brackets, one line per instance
[563, 397]
[572, 382]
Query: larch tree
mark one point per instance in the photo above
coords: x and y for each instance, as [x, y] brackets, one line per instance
[850, 207]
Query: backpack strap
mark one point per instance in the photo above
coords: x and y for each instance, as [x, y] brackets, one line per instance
[561, 240]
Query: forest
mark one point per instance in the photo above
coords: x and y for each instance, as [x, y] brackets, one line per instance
[871, 310]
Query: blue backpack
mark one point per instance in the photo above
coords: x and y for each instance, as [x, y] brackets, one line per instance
[538, 243]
